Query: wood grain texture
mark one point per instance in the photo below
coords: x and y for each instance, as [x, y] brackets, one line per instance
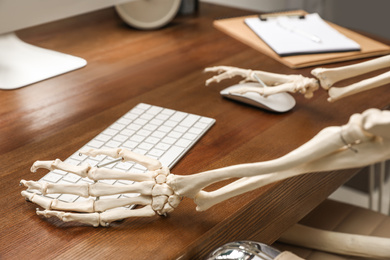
[53, 118]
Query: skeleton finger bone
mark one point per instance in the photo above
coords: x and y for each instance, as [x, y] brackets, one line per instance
[94, 219]
[96, 189]
[336, 93]
[81, 170]
[95, 173]
[127, 155]
[328, 77]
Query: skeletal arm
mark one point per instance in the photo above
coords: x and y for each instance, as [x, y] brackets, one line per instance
[325, 77]
[160, 191]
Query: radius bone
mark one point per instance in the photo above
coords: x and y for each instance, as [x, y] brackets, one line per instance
[341, 92]
[328, 77]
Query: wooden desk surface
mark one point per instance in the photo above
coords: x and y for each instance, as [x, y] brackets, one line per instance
[53, 118]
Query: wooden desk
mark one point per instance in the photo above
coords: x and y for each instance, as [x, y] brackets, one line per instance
[53, 118]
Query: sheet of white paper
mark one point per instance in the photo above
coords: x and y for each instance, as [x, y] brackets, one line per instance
[290, 36]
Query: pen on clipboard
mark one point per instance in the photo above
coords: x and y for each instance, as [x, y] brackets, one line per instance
[298, 31]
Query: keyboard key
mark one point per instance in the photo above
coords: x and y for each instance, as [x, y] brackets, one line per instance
[158, 134]
[68, 197]
[195, 130]
[154, 110]
[175, 134]
[137, 138]
[143, 132]
[156, 152]
[178, 116]
[152, 140]
[150, 127]
[183, 143]
[145, 146]
[162, 146]
[206, 120]
[180, 129]
[95, 144]
[103, 137]
[113, 144]
[120, 138]
[170, 123]
[143, 106]
[169, 157]
[146, 116]
[71, 177]
[110, 132]
[165, 129]
[169, 140]
[52, 177]
[156, 121]
[117, 126]
[167, 111]
[189, 136]
[189, 120]
[137, 111]
[130, 144]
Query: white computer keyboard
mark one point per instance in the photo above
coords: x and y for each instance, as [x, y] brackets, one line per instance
[157, 132]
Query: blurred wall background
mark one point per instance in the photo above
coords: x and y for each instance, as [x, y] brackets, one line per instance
[370, 16]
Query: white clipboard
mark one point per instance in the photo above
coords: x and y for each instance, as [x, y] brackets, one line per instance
[300, 35]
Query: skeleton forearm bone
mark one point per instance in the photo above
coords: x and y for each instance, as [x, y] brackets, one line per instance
[326, 151]
[328, 77]
[279, 82]
[338, 93]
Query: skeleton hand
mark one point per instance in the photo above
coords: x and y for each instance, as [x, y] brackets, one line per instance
[279, 82]
[297, 83]
[155, 194]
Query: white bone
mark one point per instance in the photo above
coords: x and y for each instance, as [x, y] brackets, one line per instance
[337, 242]
[80, 189]
[95, 189]
[35, 185]
[159, 202]
[103, 189]
[118, 214]
[80, 170]
[39, 200]
[79, 206]
[105, 204]
[328, 77]
[109, 174]
[162, 189]
[280, 83]
[87, 218]
[367, 84]
[127, 155]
